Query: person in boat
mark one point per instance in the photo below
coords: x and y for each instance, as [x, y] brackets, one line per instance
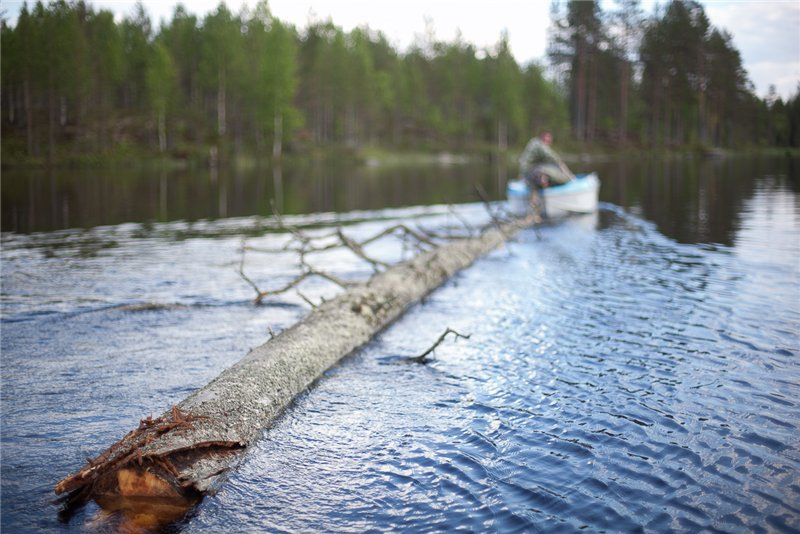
[540, 166]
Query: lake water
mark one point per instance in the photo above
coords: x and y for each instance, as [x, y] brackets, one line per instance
[637, 370]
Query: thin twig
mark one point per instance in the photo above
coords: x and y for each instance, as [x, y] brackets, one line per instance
[444, 236]
[484, 197]
[462, 220]
[421, 357]
[392, 229]
[358, 251]
[241, 271]
[296, 281]
[284, 289]
[308, 300]
[311, 271]
[418, 236]
[331, 278]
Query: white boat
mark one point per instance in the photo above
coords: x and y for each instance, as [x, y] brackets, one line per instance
[577, 196]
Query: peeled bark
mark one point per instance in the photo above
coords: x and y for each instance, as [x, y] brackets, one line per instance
[184, 453]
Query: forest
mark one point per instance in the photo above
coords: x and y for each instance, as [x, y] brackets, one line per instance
[79, 86]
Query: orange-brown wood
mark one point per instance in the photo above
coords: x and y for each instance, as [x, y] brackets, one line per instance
[143, 483]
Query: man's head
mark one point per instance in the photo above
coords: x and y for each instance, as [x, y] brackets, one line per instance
[546, 137]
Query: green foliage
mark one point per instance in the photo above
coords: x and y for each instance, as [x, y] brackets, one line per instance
[692, 90]
[160, 77]
[76, 82]
[247, 81]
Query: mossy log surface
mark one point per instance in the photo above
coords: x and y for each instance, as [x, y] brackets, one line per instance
[185, 452]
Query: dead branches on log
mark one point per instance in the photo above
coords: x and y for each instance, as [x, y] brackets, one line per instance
[496, 220]
[309, 272]
[357, 249]
[422, 358]
[184, 453]
[304, 245]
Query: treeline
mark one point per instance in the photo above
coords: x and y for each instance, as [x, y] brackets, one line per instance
[667, 80]
[74, 81]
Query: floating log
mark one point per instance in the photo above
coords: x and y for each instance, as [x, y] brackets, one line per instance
[171, 461]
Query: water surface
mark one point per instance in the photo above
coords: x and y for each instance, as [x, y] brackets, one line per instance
[626, 372]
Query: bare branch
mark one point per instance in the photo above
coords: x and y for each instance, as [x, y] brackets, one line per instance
[244, 276]
[331, 278]
[303, 244]
[497, 222]
[284, 289]
[407, 231]
[418, 236]
[446, 236]
[308, 300]
[422, 357]
[308, 272]
[383, 233]
[454, 212]
[358, 251]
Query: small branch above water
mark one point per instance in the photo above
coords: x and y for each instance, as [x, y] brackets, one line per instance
[422, 358]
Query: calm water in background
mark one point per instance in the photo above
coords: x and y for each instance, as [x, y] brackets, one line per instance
[634, 371]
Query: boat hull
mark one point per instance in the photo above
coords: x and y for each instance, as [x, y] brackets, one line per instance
[578, 196]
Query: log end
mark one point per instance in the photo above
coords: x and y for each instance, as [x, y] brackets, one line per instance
[137, 514]
[133, 482]
[135, 498]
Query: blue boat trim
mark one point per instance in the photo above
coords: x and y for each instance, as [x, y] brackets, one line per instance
[582, 182]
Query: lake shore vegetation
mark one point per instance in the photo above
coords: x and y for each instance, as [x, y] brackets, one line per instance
[79, 87]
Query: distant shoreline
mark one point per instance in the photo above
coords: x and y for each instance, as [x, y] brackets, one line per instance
[374, 157]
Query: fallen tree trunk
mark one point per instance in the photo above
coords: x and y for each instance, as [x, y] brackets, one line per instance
[181, 455]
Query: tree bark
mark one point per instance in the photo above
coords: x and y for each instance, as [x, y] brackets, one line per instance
[591, 96]
[186, 452]
[277, 140]
[51, 119]
[11, 100]
[28, 116]
[221, 98]
[623, 103]
[580, 98]
[502, 135]
[162, 132]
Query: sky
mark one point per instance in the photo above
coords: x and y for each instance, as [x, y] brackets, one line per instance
[766, 32]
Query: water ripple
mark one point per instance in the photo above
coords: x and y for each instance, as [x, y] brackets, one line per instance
[614, 380]
[615, 396]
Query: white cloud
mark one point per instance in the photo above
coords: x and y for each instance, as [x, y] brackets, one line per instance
[767, 34]
[785, 77]
[479, 22]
